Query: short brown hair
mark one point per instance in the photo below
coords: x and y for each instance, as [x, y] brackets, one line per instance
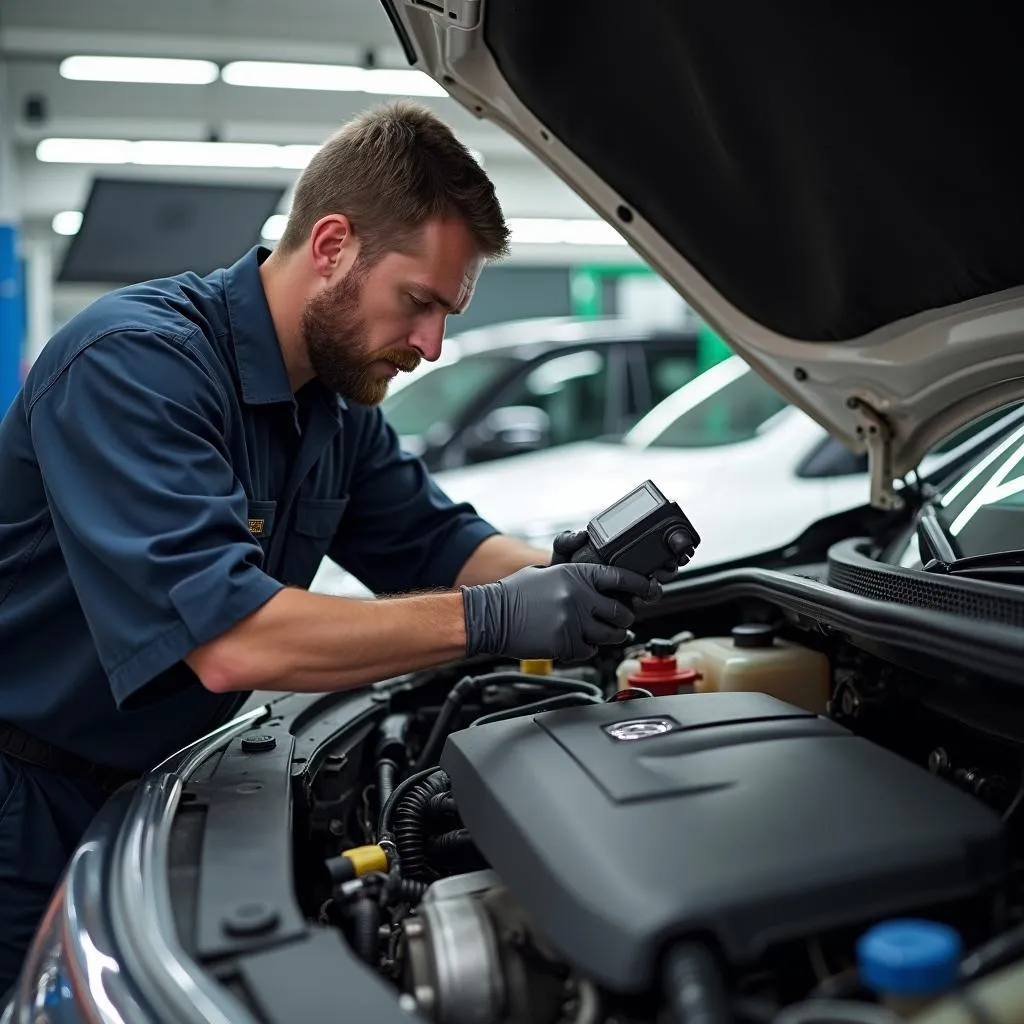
[390, 170]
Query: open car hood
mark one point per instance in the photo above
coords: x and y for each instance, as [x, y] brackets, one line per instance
[837, 189]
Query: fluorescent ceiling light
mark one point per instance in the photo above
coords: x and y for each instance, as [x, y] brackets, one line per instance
[529, 230]
[330, 77]
[205, 154]
[84, 151]
[149, 70]
[171, 153]
[295, 156]
[67, 222]
[401, 82]
[536, 230]
[555, 231]
[273, 227]
[179, 153]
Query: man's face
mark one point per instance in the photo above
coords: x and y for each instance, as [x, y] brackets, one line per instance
[361, 330]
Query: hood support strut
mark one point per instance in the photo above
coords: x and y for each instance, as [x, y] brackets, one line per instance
[874, 430]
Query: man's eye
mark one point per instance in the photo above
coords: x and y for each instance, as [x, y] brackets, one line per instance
[419, 303]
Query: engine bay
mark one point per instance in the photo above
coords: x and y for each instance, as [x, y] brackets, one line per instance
[703, 827]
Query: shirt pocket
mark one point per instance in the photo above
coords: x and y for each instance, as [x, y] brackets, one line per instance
[316, 521]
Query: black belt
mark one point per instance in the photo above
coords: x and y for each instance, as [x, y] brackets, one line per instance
[24, 747]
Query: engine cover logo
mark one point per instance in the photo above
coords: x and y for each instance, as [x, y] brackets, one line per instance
[639, 728]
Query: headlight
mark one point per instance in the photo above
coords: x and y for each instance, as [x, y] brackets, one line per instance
[71, 974]
[45, 992]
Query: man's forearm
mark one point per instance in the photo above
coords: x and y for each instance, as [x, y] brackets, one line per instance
[318, 643]
[497, 557]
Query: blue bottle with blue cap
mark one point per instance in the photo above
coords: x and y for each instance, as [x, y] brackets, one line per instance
[909, 962]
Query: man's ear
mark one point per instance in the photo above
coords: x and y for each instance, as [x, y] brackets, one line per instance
[333, 246]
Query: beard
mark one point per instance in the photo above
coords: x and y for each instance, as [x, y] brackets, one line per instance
[338, 345]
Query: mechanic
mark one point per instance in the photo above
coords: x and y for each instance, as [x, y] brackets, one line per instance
[183, 454]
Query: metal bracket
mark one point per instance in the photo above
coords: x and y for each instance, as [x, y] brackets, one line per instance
[464, 14]
[874, 430]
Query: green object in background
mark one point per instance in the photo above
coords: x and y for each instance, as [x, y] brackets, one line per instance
[710, 348]
[588, 285]
[586, 299]
[585, 292]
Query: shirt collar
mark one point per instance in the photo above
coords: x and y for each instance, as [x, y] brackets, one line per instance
[261, 368]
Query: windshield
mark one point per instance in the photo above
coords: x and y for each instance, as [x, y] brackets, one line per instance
[736, 410]
[983, 510]
[442, 394]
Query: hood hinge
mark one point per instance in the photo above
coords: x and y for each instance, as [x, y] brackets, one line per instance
[874, 430]
[463, 14]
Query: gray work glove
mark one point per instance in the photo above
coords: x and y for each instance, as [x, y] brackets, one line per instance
[562, 612]
[567, 543]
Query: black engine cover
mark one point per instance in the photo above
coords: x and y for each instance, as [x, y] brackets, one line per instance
[748, 819]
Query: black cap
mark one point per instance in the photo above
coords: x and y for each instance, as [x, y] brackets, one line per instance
[258, 742]
[753, 634]
[662, 648]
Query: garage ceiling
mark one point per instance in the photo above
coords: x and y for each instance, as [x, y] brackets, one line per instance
[36, 35]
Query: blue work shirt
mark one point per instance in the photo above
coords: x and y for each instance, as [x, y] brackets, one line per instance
[158, 483]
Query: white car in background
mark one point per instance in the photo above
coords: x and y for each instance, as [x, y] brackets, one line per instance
[726, 446]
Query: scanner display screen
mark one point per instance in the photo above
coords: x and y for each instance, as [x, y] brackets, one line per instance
[627, 512]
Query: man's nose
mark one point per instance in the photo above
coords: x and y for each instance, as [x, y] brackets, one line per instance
[427, 339]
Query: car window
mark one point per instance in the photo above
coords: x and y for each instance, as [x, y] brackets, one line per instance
[983, 509]
[975, 427]
[444, 393]
[831, 458]
[735, 412]
[668, 371]
[571, 389]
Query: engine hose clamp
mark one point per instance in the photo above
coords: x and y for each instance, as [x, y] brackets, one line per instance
[390, 851]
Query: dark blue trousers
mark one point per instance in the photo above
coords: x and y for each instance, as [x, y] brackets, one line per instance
[42, 818]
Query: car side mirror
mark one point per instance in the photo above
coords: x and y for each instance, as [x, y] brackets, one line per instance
[512, 430]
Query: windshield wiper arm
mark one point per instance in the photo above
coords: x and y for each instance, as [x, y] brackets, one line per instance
[940, 554]
[936, 542]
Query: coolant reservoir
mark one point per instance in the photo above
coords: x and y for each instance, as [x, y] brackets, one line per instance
[754, 659]
[658, 670]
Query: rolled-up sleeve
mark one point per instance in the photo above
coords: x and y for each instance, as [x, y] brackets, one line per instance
[400, 531]
[150, 516]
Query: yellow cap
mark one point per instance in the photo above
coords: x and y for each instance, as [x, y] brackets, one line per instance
[536, 666]
[365, 859]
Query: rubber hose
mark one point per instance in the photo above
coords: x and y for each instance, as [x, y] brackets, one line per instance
[455, 841]
[588, 1004]
[388, 810]
[387, 771]
[445, 720]
[560, 700]
[441, 804]
[404, 890]
[365, 916]
[471, 685]
[998, 952]
[410, 839]
[555, 683]
[837, 1011]
[693, 986]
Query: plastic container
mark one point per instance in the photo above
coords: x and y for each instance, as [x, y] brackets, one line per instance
[630, 667]
[536, 666]
[658, 671]
[908, 963]
[751, 659]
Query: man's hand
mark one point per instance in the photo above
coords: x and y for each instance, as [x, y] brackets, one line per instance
[567, 543]
[497, 557]
[563, 612]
